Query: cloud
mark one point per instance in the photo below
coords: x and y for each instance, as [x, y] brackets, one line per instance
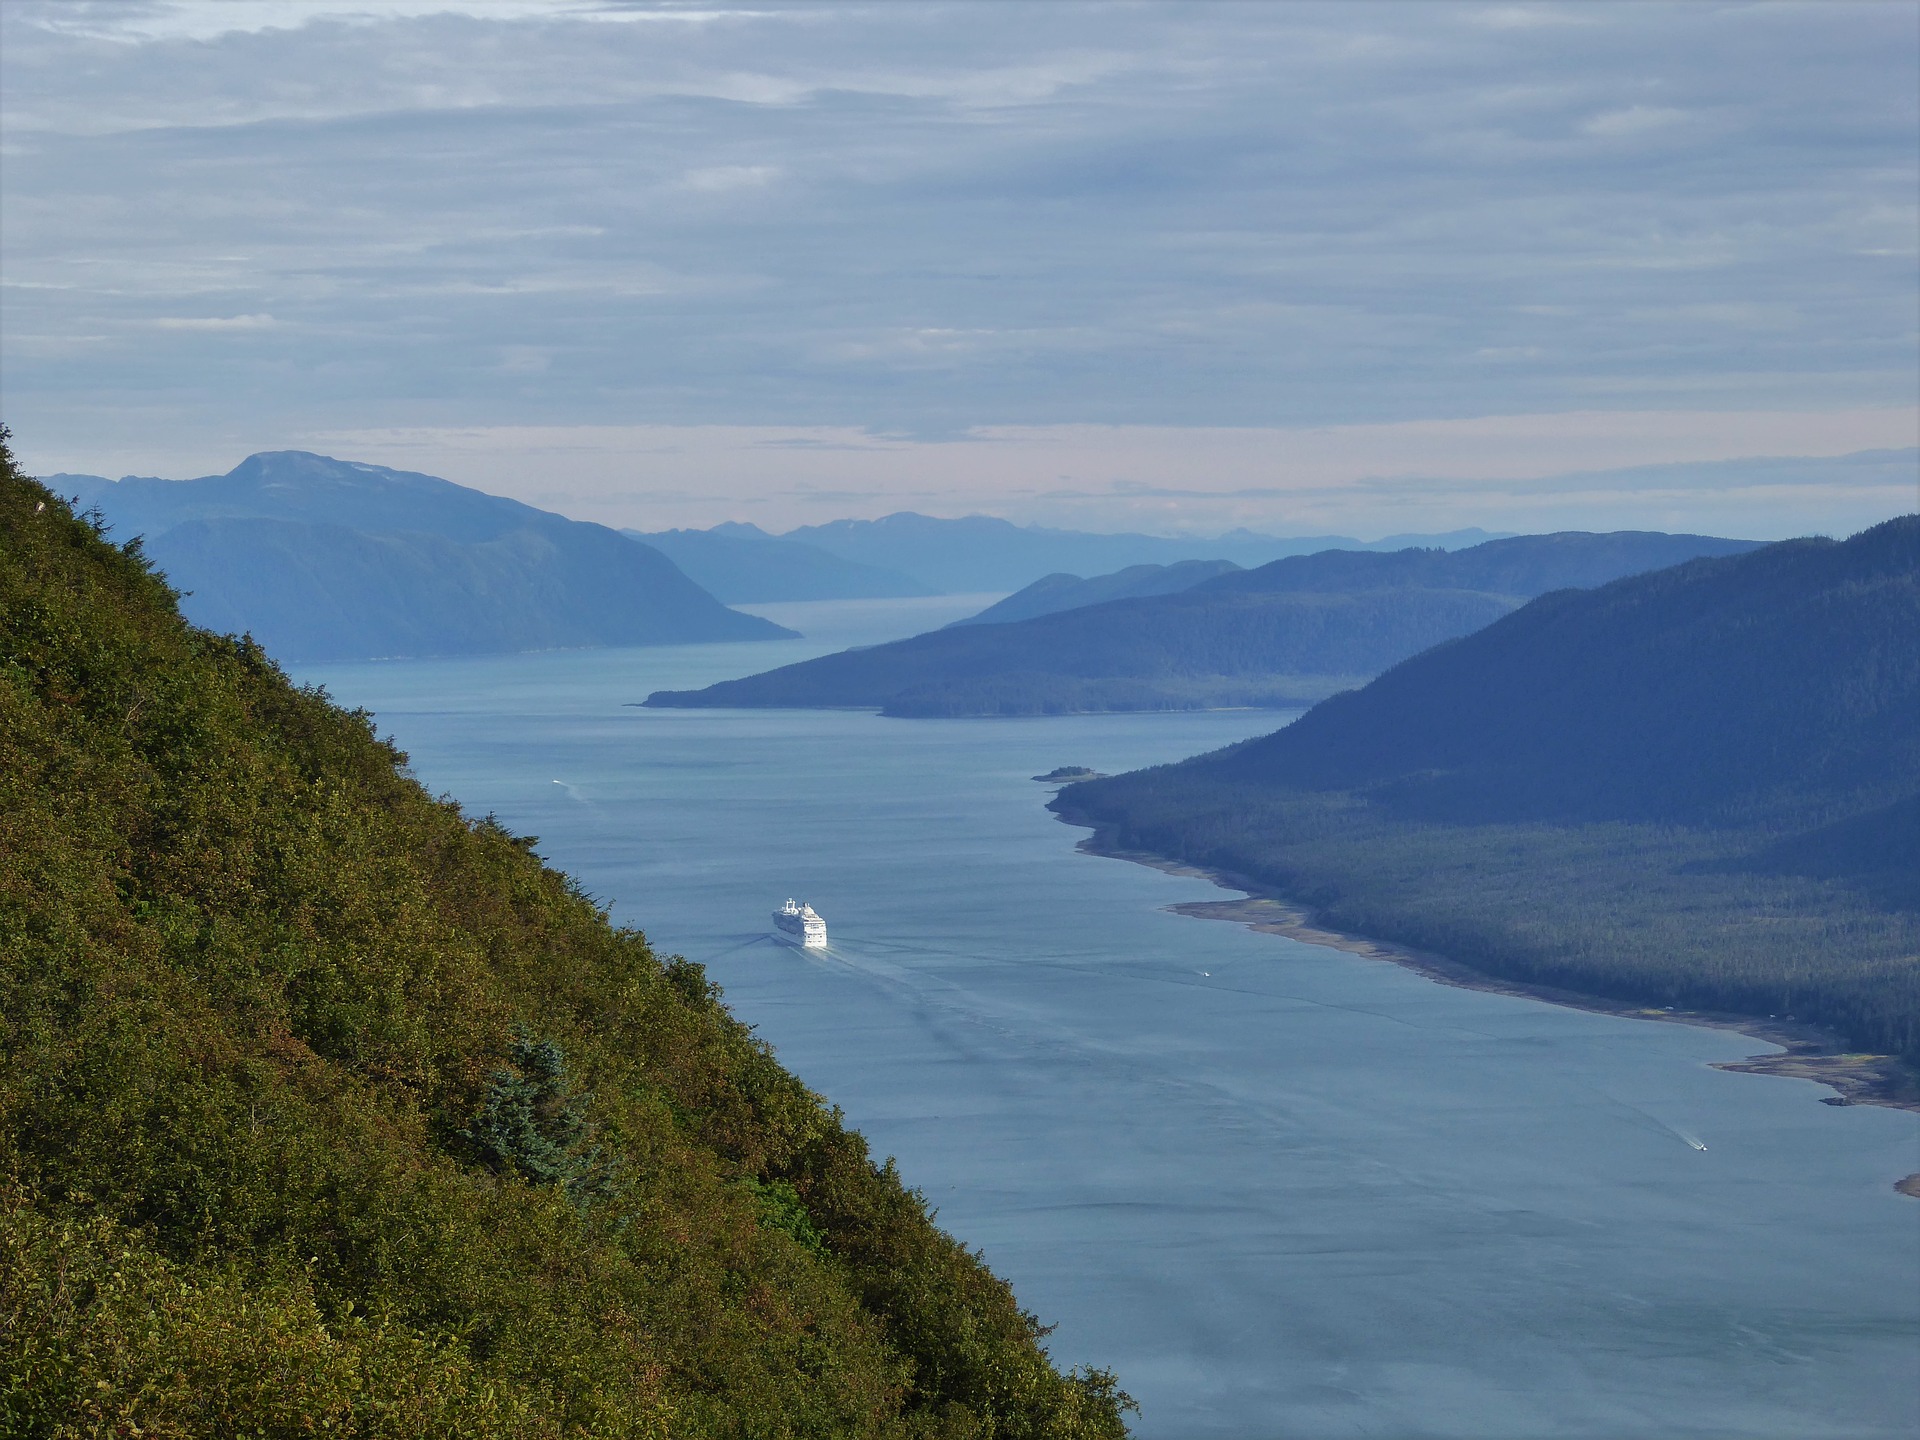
[214, 323]
[827, 220]
[1634, 120]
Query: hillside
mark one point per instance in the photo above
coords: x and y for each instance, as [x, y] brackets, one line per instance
[1793, 673]
[1051, 594]
[326, 1108]
[1290, 633]
[1698, 787]
[323, 559]
[743, 565]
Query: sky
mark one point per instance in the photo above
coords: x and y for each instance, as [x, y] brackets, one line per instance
[1351, 268]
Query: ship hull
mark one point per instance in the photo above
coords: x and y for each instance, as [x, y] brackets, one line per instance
[809, 937]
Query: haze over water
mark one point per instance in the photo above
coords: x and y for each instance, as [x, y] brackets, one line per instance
[1284, 1191]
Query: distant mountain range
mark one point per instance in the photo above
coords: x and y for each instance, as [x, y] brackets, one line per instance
[1698, 787]
[1051, 594]
[324, 559]
[980, 553]
[1289, 633]
[744, 565]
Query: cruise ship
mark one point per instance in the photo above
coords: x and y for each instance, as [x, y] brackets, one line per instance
[799, 924]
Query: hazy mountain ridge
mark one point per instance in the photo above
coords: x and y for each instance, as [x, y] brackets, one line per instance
[323, 559]
[1051, 594]
[983, 552]
[743, 565]
[1698, 787]
[1512, 565]
[1288, 634]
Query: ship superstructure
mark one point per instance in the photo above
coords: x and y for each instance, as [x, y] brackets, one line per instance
[801, 925]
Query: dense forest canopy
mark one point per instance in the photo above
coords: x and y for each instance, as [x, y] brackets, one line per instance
[325, 1107]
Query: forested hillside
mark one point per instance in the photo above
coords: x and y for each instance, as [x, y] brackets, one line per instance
[326, 1108]
[1698, 787]
[1711, 690]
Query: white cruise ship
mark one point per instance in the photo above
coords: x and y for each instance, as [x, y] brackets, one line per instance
[801, 925]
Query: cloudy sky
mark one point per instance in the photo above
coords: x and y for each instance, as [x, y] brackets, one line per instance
[1360, 267]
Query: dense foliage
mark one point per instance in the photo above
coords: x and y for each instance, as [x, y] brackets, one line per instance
[1699, 788]
[324, 1107]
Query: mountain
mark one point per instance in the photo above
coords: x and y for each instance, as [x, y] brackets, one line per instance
[743, 565]
[980, 552]
[322, 559]
[1525, 565]
[1701, 692]
[1290, 633]
[1698, 787]
[1053, 593]
[329, 1109]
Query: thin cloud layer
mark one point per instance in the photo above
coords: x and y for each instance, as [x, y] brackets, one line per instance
[232, 226]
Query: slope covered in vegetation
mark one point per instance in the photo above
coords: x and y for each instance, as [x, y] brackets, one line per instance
[325, 1108]
[1698, 787]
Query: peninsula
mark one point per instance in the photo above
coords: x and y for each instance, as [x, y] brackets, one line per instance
[1694, 791]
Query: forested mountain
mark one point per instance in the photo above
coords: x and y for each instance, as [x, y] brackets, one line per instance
[1696, 787]
[743, 565]
[323, 559]
[1053, 593]
[326, 1108]
[980, 552]
[1706, 691]
[1290, 633]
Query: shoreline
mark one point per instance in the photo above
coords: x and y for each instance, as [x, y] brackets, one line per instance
[1808, 1052]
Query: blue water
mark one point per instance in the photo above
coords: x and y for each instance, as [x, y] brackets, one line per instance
[1282, 1190]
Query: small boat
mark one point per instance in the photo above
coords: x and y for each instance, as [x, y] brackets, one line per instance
[800, 925]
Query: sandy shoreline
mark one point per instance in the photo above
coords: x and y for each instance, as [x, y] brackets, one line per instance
[1808, 1052]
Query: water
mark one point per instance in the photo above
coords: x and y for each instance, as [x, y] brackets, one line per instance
[1282, 1190]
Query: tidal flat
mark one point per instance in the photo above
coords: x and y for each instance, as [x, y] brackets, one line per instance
[1282, 1189]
